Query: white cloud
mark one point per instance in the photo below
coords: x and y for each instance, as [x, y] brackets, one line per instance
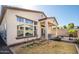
[33, 7]
[40, 2]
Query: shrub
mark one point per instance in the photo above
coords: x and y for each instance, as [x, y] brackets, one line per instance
[72, 33]
[30, 45]
[70, 25]
[77, 41]
[64, 27]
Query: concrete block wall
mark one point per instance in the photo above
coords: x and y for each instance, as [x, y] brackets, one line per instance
[62, 32]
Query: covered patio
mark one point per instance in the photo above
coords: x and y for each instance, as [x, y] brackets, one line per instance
[47, 26]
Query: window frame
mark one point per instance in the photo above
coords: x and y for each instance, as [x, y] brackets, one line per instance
[28, 29]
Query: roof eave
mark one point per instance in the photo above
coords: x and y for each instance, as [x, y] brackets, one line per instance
[5, 7]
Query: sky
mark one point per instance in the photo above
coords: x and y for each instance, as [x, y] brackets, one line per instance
[64, 14]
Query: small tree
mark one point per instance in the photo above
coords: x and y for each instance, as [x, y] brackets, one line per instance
[70, 25]
[72, 33]
[64, 27]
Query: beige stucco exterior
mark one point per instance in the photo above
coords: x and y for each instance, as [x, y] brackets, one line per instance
[54, 24]
[10, 23]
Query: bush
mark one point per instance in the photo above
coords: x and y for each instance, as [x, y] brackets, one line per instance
[77, 41]
[72, 33]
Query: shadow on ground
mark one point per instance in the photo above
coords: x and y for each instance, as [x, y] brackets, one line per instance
[4, 49]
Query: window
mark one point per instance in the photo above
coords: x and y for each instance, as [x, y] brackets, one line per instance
[20, 31]
[29, 31]
[28, 21]
[28, 28]
[21, 28]
[25, 28]
[19, 19]
[35, 31]
[35, 23]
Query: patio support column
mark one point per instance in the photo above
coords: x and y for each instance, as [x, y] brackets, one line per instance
[24, 28]
[33, 28]
[46, 29]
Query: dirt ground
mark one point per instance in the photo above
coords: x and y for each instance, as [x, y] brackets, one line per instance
[53, 47]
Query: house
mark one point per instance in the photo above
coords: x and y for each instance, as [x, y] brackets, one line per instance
[19, 25]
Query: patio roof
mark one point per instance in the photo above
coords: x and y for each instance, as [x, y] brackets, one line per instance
[49, 18]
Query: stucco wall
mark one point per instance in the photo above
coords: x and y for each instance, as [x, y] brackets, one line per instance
[49, 30]
[11, 24]
[52, 20]
[63, 32]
